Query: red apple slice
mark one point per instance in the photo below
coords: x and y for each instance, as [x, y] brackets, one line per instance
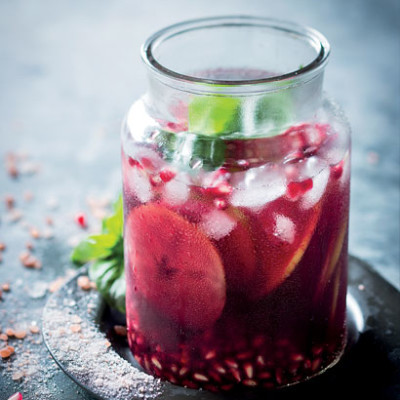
[282, 233]
[175, 266]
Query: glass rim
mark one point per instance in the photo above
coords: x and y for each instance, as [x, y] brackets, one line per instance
[314, 37]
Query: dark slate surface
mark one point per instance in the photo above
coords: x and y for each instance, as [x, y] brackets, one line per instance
[70, 70]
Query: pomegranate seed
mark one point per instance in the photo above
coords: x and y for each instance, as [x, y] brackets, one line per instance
[236, 374]
[84, 282]
[296, 189]
[2, 246]
[220, 204]
[249, 370]
[231, 364]
[316, 350]
[200, 377]
[278, 376]
[245, 355]
[215, 376]
[183, 371]
[174, 368]
[268, 385]
[147, 364]
[258, 341]
[337, 170]
[167, 174]
[155, 180]
[249, 382]
[221, 189]
[260, 360]
[211, 354]
[316, 364]
[134, 163]
[16, 396]
[211, 388]
[264, 375]
[219, 368]
[157, 363]
[6, 352]
[226, 387]
[297, 357]
[81, 220]
[147, 163]
[171, 378]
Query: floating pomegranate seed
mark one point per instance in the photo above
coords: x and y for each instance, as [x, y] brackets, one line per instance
[10, 201]
[167, 174]
[337, 170]
[297, 357]
[2, 246]
[134, 163]
[296, 189]
[16, 396]
[278, 376]
[221, 204]
[245, 355]
[222, 189]
[316, 350]
[147, 163]
[155, 180]
[34, 329]
[3, 337]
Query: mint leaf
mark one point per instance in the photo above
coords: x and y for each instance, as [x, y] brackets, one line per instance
[114, 223]
[214, 115]
[272, 112]
[93, 247]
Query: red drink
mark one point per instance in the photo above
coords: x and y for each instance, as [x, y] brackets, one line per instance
[236, 244]
[231, 284]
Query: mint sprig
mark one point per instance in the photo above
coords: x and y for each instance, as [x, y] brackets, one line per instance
[105, 253]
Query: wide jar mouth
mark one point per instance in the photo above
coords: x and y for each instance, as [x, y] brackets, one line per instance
[235, 52]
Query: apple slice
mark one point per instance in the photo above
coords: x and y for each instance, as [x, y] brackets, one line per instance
[175, 266]
[282, 233]
[238, 253]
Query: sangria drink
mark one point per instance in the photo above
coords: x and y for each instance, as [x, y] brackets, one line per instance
[236, 201]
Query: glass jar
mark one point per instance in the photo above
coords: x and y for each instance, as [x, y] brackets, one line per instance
[236, 175]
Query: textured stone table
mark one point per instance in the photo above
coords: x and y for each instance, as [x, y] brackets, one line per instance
[70, 70]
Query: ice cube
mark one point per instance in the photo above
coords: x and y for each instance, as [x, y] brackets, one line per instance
[176, 192]
[139, 184]
[313, 196]
[285, 228]
[260, 186]
[217, 224]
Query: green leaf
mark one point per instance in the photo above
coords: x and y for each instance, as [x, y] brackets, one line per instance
[214, 115]
[109, 276]
[94, 247]
[114, 223]
[272, 112]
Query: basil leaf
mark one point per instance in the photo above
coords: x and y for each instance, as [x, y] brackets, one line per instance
[114, 223]
[93, 247]
[214, 115]
[272, 112]
[109, 276]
